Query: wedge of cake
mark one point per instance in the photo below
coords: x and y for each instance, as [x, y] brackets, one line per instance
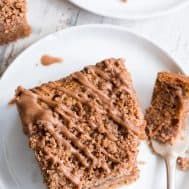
[13, 23]
[169, 108]
[84, 129]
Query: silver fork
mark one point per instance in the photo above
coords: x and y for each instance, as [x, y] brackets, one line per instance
[170, 154]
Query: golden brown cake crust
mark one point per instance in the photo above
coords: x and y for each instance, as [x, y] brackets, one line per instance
[85, 128]
[13, 22]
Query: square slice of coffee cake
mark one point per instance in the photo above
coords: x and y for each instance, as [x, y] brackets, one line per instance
[169, 107]
[13, 22]
[84, 129]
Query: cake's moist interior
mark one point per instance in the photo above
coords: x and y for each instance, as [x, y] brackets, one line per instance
[85, 129]
[169, 108]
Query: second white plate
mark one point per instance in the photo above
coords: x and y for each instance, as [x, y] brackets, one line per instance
[132, 9]
[79, 46]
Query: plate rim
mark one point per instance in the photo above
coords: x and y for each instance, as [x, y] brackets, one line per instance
[174, 9]
[119, 28]
[101, 26]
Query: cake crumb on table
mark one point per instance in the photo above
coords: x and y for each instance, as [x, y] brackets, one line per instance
[47, 60]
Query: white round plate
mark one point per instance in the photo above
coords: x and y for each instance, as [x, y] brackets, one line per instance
[132, 9]
[79, 46]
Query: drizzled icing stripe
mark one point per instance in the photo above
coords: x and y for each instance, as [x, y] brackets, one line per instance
[63, 169]
[82, 147]
[67, 111]
[75, 141]
[70, 136]
[31, 113]
[36, 90]
[60, 112]
[105, 76]
[53, 104]
[96, 70]
[83, 99]
[92, 140]
[84, 81]
[106, 100]
[102, 130]
[68, 118]
[125, 85]
[94, 126]
[61, 141]
[71, 94]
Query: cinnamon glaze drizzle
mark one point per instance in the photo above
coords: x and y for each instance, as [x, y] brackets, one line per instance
[79, 145]
[61, 141]
[33, 113]
[65, 170]
[68, 119]
[107, 101]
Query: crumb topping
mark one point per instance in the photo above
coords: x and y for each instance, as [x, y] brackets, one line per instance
[12, 12]
[84, 129]
[13, 23]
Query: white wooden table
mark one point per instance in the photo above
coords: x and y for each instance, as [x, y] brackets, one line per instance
[170, 32]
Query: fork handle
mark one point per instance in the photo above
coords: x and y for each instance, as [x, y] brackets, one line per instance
[171, 168]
